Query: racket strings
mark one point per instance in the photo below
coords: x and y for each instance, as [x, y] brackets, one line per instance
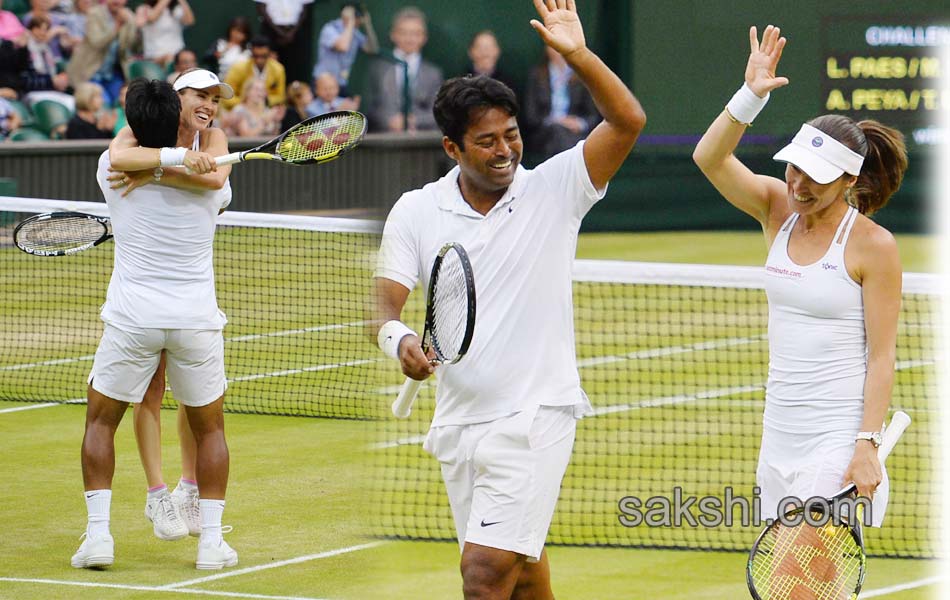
[60, 233]
[796, 563]
[322, 139]
[449, 308]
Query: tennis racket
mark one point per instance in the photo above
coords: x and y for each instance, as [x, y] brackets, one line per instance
[450, 317]
[316, 140]
[818, 563]
[60, 233]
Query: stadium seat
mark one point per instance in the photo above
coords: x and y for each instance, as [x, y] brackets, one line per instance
[29, 134]
[26, 116]
[147, 69]
[51, 117]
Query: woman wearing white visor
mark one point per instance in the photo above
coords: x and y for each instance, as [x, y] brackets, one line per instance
[833, 280]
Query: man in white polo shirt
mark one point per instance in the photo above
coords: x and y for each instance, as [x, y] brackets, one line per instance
[161, 297]
[505, 416]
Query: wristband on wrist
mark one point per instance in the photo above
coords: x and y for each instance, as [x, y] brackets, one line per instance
[390, 334]
[745, 106]
[172, 157]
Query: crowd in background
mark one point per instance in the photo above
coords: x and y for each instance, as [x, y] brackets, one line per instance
[64, 65]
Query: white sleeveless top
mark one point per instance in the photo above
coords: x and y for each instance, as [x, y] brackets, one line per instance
[817, 343]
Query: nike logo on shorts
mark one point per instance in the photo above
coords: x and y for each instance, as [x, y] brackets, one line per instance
[484, 524]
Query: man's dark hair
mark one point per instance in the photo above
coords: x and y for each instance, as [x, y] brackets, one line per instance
[153, 110]
[463, 99]
[261, 41]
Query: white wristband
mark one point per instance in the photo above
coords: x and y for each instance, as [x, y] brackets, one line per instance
[745, 106]
[390, 334]
[172, 157]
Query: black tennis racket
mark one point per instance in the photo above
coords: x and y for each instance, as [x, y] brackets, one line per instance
[450, 317]
[791, 562]
[316, 140]
[61, 233]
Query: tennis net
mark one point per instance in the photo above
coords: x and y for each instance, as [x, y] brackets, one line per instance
[675, 360]
[294, 289]
[673, 357]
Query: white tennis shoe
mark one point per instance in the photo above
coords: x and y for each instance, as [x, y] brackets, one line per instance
[216, 556]
[187, 505]
[96, 551]
[166, 520]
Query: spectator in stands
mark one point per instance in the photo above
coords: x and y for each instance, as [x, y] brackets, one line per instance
[281, 22]
[298, 97]
[60, 44]
[10, 26]
[340, 41]
[252, 117]
[11, 83]
[163, 25]
[387, 80]
[75, 24]
[230, 49]
[558, 111]
[108, 47]
[75, 20]
[185, 59]
[9, 119]
[259, 66]
[328, 97]
[39, 62]
[90, 121]
[484, 52]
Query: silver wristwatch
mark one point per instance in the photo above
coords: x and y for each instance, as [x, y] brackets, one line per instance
[157, 173]
[872, 436]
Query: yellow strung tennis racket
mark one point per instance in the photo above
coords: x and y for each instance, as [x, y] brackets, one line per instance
[316, 140]
[816, 551]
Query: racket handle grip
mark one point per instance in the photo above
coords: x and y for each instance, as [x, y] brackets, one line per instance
[402, 407]
[228, 159]
[892, 433]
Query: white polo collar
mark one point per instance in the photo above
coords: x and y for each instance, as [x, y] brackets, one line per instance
[450, 195]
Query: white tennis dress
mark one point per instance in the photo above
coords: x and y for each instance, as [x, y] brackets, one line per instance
[814, 399]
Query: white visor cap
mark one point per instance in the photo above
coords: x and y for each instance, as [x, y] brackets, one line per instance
[820, 156]
[201, 79]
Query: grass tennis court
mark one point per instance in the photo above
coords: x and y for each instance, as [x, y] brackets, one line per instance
[299, 489]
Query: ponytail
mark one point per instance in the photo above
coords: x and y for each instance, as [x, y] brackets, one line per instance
[885, 158]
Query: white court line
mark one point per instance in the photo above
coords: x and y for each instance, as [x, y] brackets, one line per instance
[47, 363]
[145, 588]
[655, 402]
[28, 407]
[904, 586]
[670, 350]
[351, 363]
[240, 338]
[44, 405]
[273, 565]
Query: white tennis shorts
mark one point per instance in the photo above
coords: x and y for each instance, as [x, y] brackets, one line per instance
[127, 358]
[806, 465]
[503, 477]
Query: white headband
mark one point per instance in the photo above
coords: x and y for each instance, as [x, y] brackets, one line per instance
[819, 155]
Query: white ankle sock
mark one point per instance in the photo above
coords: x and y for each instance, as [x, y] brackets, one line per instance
[211, 512]
[157, 492]
[187, 485]
[98, 503]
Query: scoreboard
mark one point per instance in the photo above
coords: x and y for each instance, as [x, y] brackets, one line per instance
[887, 69]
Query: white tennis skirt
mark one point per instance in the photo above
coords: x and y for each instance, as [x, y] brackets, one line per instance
[805, 465]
